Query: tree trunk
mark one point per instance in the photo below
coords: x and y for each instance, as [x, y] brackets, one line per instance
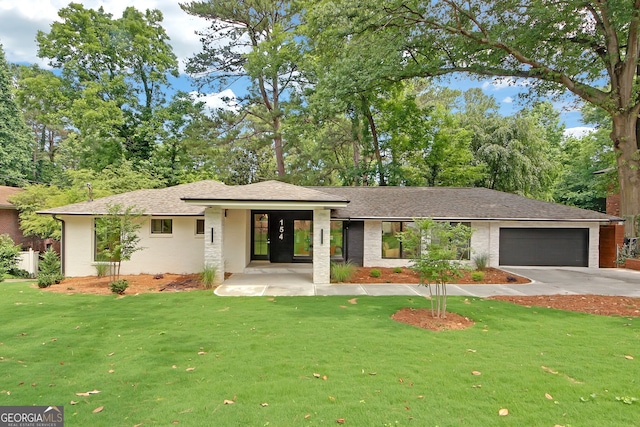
[376, 142]
[625, 144]
[277, 142]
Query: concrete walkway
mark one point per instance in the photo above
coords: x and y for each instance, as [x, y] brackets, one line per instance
[545, 281]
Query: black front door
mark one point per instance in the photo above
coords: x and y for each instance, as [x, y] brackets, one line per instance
[280, 237]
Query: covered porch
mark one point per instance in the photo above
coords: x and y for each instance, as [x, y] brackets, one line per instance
[275, 227]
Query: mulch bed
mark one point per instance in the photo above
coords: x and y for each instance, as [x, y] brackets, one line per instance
[406, 275]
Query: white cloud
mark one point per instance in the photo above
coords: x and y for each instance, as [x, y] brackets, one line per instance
[20, 21]
[578, 131]
[499, 83]
[508, 100]
[225, 100]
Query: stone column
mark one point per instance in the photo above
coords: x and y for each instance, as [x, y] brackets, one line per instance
[213, 241]
[321, 246]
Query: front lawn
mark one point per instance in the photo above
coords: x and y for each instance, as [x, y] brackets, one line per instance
[195, 359]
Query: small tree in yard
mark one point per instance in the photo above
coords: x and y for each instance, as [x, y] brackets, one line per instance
[117, 236]
[9, 253]
[436, 249]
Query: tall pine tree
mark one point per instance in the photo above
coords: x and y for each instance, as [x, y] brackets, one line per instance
[15, 137]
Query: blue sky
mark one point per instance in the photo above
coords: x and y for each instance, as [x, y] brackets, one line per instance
[20, 21]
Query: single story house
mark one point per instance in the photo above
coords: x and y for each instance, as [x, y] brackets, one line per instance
[209, 223]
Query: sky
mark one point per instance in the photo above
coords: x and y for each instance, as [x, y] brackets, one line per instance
[20, 20]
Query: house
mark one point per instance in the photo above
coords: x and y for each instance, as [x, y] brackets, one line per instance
[10, 223]
[209, 223]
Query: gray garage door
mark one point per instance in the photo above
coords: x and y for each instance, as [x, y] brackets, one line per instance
[544, 246]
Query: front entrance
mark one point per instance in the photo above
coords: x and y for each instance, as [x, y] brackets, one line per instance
[281, 236]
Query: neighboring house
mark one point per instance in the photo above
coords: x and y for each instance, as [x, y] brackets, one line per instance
[209, 223]
[10, 223]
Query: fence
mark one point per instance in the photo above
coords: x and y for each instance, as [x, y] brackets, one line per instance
[28, 261]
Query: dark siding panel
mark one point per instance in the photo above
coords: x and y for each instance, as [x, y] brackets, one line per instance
[355, 242]
[544, 246]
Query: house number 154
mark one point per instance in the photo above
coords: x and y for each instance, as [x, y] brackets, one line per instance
[281, 230]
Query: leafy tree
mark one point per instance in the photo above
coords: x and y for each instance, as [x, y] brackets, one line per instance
[115, 71]
[71, 187]
[562, 46]
[514, 151]
[9, 253]
[117, 236]
[588, 172]
[250, 40]
[15, 138]
[41, 96]
[436, 249]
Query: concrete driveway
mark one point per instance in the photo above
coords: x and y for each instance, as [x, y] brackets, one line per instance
[545, 281]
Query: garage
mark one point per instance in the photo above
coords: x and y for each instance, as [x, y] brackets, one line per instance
[566, 247]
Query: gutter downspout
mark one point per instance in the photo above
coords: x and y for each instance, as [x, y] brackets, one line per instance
[62, 243]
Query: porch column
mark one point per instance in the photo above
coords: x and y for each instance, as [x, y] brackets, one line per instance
[213, 241]
[321, 246]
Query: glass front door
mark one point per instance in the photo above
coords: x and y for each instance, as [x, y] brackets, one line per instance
[260, 240]
[281, 236]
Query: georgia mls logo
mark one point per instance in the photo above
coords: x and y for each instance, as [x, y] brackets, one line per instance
[31, 416]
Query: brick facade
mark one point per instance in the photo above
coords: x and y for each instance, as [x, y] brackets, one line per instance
[10, 224]
[613, 205]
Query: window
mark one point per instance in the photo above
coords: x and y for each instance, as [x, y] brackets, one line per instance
[464, 253]
[302, 238]
[199, 226]
[104, 241]
[391, 245]
[161, 226]
[336, 240]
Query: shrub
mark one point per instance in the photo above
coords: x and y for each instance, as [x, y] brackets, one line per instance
[342, 271]
[2, 273]
[477, 276]
[119, 286]
[45, 280]
[208, 276]
[49, 266]
[9, 253]
[18, 273]
[481, 261]
[102, 269]
[397, 270]
[375, 273]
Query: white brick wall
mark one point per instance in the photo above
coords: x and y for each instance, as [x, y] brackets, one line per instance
[485, 240]
[213, 245]
[321, 246]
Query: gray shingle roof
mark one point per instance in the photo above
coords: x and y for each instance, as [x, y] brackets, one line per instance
[164, 201]
[269, 191]
[365, 202]
[452, 203]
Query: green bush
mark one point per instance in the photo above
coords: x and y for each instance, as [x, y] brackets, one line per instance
[342, 271]
[49, 266]
[18, 273]
[477, 276]
[46, 280]
[119, 286]
[208, 276]
[9, 253]
[481, 261]
[2, 273]
[397, 270]
[375, 273]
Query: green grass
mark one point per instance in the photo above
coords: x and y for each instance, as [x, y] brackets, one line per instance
[267, 350]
